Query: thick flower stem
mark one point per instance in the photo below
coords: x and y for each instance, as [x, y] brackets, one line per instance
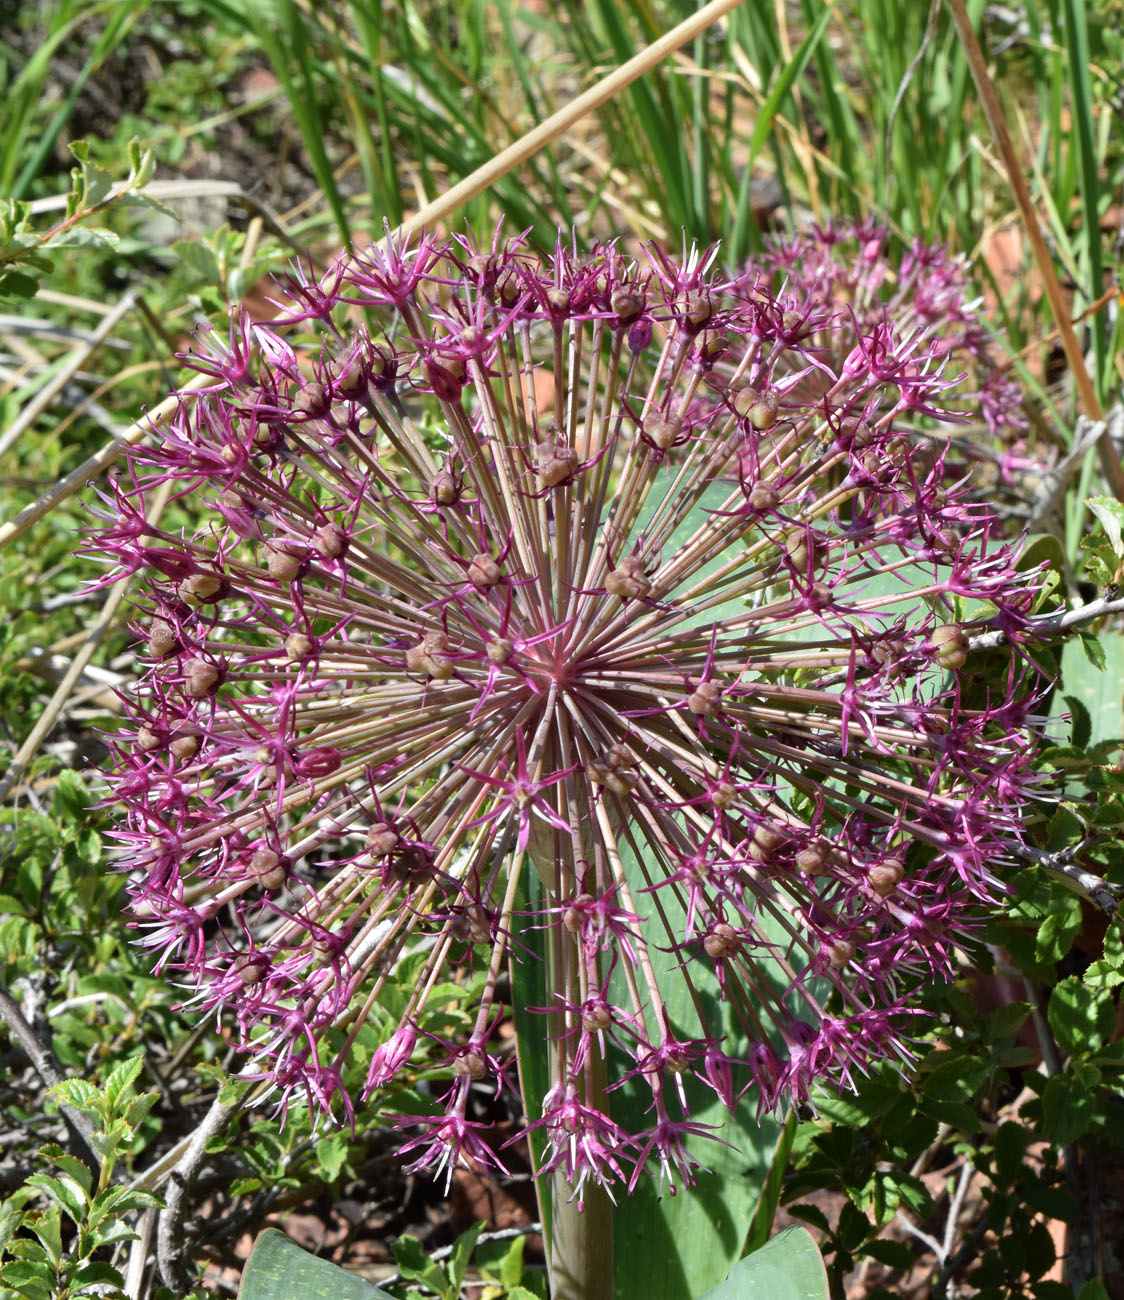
[581, 1250]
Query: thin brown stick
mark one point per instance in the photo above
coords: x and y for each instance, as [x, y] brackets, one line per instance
[559, 122]
[57, 702]
[1110, 457]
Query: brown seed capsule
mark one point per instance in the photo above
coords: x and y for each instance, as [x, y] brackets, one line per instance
[763, 413]
[628, 580]
[499, 650]
[596, 1018]
[743, 400]
[799, 548]
[662, 433]
[840, 953]
[810, 859]
[430, 657]
[283, 560]
[146, 739]
[298, 646]
[574, 917]
[350, 376]
[250, 970]
[699, 309]
[557, 463]
[330, 541]
[703, 701]
[444, 490]
[723, 794]
[763, 497]
[185, 747]
[721, 941]
[950, 644]
[885, 877]
[269, 868]
[312, 400]
[200, 588]
[710, 345]
[382, 839]
[162, 639]
[470, 1064]
[626, 303]
[200, 678]
[484, 571]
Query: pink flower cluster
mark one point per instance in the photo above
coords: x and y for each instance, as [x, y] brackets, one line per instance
[605, 603]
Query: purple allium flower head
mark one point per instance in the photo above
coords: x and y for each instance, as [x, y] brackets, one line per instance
[595, 598]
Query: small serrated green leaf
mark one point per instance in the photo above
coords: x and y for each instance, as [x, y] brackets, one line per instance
[65, 1191]
[331, 1152]
[1110, 513]
[1082, 1018]
[1067, 1110]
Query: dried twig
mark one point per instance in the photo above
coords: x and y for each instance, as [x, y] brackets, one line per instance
[169, 1227]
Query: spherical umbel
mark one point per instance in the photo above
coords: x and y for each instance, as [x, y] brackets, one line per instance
[575, 566]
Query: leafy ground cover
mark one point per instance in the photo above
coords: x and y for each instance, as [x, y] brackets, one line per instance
[160, 161]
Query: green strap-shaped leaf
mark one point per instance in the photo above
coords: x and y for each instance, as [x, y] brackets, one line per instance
[278, 1269]
[789, 1267]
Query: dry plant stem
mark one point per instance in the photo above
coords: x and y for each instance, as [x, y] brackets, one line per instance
[559, 122]
[57, 703]
[431, 214]
[78, 359]
[169, 1228]
[98, 462]
[1110, 457]
[46, 1068]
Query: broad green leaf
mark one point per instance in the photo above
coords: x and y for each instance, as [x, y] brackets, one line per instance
[278, 1269]
[789, 1267]
[1100, 690]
